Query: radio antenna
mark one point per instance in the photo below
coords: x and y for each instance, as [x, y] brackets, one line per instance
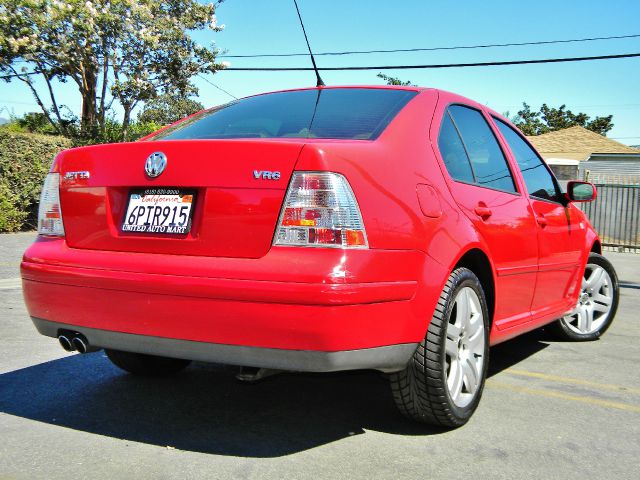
[319, 83]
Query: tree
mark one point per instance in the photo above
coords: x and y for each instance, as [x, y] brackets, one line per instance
[549, 119]
[35, 122]
[167, 108]
[129, 51]
[393, 80]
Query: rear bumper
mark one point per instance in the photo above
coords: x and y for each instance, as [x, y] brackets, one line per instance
[299, 309]
[388, 358]
[229, 289]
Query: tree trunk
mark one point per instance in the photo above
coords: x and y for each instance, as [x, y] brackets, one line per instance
[88, 119]
[126, 120]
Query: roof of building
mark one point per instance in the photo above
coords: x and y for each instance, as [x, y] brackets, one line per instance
[577, 143]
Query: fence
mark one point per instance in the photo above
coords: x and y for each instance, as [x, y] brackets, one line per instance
[615, 214]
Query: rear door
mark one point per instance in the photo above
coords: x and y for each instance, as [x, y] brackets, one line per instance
[482, 184]
[560, 233]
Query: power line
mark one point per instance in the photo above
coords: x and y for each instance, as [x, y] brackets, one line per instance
[216, 86]
[442, 65]
[432, 49]
[13, 75]
[612, 105]
[404, 67]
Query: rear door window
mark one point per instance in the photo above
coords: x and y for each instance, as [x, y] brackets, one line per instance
[537, 177]
[488, 163]
[453, 153]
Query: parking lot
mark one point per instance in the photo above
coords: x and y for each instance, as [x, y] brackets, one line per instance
[550, 410]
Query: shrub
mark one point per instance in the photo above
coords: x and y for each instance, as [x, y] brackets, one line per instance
[11, 218]
[25, 159]
[113, 133]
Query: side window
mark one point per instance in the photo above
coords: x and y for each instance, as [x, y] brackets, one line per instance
[540, 182]
[453, 153]
[488, 163]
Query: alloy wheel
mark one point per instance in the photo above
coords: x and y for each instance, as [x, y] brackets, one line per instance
[594, 302]
[465, 347]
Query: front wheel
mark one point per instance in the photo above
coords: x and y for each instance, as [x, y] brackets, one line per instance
[443, 382]
[597, 303]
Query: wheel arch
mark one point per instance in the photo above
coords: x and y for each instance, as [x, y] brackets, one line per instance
[476, 260]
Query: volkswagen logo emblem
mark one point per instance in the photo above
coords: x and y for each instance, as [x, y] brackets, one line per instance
[155, 164]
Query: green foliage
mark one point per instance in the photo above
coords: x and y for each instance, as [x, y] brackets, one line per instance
[11, 217]
[168, 108]
[34, 122]
[549, 119]
[113, 132]
[394, 80]
[124, 51]
[25, 159]
[13, 127]
[142, 129]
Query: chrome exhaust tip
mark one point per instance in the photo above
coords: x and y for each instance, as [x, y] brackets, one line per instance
[80, 344]
[66, 343]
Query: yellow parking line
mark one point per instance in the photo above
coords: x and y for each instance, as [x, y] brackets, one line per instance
[575, 381]
[10, 283]
[564, 396]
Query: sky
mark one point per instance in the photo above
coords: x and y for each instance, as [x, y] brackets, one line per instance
[259, 26]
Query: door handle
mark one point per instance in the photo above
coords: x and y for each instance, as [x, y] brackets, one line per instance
[483, 212]
[542, 221]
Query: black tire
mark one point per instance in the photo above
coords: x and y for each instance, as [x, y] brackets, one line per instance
[421, 391]
[562, 327]
[146, 365]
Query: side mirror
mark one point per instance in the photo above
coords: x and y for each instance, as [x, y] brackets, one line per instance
[581, 191]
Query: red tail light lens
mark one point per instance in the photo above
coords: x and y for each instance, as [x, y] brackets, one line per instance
[49, 213]
[320, 210]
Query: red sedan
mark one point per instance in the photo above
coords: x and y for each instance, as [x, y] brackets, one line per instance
[393, 228]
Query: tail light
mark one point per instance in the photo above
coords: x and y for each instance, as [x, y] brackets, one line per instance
[320, 210]
[49, 213]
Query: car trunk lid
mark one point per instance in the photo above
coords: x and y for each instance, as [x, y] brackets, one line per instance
[237, 187]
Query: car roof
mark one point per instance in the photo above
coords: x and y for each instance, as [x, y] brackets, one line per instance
[444, 94]
[412, 88]
[451, 97]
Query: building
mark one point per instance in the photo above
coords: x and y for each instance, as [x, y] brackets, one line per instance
[599, 159]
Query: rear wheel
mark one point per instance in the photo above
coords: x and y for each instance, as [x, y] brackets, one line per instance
[597, 303]
[443, 382]
[146, 365]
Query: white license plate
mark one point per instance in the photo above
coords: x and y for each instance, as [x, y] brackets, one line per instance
[165, 211]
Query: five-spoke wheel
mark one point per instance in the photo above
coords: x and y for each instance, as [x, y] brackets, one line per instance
[443, 382]
[464, 347]
[597, 302]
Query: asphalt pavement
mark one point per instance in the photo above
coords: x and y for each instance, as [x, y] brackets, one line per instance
[550, 409]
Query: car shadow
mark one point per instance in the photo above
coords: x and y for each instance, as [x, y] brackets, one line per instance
[512, 352]
[204, 409]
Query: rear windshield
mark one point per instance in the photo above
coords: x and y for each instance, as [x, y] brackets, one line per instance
[346, 113]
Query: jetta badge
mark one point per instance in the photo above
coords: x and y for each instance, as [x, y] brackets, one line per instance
[83, 175]
[155, 164]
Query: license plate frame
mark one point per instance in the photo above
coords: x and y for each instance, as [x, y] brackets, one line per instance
[153, 222]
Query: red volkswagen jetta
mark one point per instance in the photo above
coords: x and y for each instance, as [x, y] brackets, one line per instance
[399, 229]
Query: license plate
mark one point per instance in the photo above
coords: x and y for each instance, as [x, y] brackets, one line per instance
[164, 211]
